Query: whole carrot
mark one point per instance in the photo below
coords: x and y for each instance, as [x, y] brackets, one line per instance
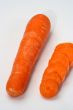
[35, 35]
[57, 70]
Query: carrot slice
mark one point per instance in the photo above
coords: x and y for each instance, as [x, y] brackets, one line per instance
[28, 53]
[48, 88]
[59, 68]
[67, 49]
[58, 58]
[52, 75]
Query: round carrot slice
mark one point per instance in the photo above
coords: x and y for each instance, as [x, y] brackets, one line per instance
[59, 68]
[67, 49]
[48, 88]
[52, 75]
[64, 45]
[58, 58]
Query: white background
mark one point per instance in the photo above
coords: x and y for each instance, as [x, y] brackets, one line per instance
[14, 15]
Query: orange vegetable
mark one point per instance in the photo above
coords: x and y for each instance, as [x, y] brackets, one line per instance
[35, 35]
[57, 70]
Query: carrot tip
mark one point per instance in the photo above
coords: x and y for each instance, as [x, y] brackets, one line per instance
[48, 88]
[12, 92]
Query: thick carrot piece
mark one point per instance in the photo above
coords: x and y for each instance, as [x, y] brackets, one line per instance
[34, 38]
[57, 70]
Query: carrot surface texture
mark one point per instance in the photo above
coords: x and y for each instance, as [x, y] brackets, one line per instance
[57, 70]
[34, 38]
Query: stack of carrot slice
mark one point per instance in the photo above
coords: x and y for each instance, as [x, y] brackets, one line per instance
[57, 70]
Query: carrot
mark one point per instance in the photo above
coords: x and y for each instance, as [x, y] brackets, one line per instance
[35, 35]
[57, 70]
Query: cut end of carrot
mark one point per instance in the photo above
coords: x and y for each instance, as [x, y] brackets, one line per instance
[48, 88]
[12, 92]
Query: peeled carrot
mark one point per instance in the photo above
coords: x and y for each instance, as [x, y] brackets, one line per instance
[57, 70]
[35, 35]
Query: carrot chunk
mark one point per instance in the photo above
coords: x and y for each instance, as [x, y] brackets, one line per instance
[34, 38]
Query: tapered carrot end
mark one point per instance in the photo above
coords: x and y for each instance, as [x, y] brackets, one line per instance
[12, 92]
[48, 88]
